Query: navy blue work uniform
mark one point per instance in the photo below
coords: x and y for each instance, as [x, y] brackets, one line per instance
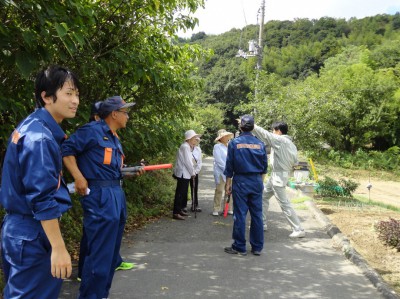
[99, 157]
[32, 190]
[246, 162]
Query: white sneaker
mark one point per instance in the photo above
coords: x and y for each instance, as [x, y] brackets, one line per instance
[265, 227]
[298, 234]
[215, 214]
[230, 212]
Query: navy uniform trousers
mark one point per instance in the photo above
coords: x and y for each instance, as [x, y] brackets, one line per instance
[26, 261]
[247, 196]
[104, 220]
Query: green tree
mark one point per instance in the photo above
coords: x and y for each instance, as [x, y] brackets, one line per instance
[116, 47]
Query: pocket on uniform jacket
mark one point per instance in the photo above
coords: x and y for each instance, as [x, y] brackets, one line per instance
[107, 155]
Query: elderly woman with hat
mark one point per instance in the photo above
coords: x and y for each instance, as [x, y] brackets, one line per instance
[184, 171]
[219, 154]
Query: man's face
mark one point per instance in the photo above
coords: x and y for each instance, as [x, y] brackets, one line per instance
[66, 104]
[121, 118]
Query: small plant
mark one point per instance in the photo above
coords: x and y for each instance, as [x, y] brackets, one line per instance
[389, 232]
[329, 187]
[348, 187]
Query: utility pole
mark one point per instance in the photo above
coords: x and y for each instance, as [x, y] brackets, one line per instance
[260, 50]
[256, 49]
[260, 36]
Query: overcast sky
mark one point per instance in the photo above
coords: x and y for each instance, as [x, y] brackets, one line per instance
[222, 15]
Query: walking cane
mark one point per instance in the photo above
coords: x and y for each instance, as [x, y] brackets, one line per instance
[193, 204]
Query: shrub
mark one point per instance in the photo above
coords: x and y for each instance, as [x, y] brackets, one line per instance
[388, 160]
[389, 232]
[329, 187]
[348, 187]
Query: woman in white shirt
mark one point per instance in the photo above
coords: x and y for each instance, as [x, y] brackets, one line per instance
[184, 171]
[219, 154]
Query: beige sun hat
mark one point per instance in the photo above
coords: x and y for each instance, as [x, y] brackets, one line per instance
[190, 134]
[222, 133]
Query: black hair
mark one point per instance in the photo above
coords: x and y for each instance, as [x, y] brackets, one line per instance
[247, 123]
[91, 118]
[94, 110]
[247, 128]
[281, 126]
[52, 79]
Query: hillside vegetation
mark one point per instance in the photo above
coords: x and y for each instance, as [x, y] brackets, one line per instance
[335, 81]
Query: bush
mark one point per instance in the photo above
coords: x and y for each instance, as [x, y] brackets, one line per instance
[388, 160]
[389, 232]
[329, 187]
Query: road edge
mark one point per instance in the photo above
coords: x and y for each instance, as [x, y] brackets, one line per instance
[342, 242]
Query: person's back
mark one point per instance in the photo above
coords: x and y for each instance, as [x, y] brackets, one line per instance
[250, 155]
[246, 164]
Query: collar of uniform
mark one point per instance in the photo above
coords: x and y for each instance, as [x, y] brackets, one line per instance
[108, 129]
[245, 133]
[115, 134]
[51, 123]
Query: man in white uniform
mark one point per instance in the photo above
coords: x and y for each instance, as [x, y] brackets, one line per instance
[283, 157]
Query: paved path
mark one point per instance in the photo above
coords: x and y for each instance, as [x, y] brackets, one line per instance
[185, 259]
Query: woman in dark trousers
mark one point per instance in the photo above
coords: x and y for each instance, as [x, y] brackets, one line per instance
[184, 171]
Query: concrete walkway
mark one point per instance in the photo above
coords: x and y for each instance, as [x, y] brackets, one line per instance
[185, 259]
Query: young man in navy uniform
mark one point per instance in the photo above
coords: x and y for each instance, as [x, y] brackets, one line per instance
[246, 163]
[33, 193]
[94, 157]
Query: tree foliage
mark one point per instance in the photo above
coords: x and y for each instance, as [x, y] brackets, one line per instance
[335, 81]
[116, 47]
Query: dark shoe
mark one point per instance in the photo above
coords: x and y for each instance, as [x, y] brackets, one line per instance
[182, 213]
[177, 217]
[256, 252]
[230, 250]
[184, 210]
[197, 210]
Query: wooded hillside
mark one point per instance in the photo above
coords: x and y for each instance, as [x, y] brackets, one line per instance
[335, 81]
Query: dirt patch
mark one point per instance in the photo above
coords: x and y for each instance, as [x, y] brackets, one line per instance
[357, 221]
[387, 192]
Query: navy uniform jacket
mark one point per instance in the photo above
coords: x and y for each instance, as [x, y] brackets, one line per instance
[98, 151]
[246, 156]
[31, 180]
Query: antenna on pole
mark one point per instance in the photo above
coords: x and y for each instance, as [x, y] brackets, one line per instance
[255, 49]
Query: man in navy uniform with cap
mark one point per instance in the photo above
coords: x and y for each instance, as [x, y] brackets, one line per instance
[120, 265]
[246, 163]
[94, 157]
